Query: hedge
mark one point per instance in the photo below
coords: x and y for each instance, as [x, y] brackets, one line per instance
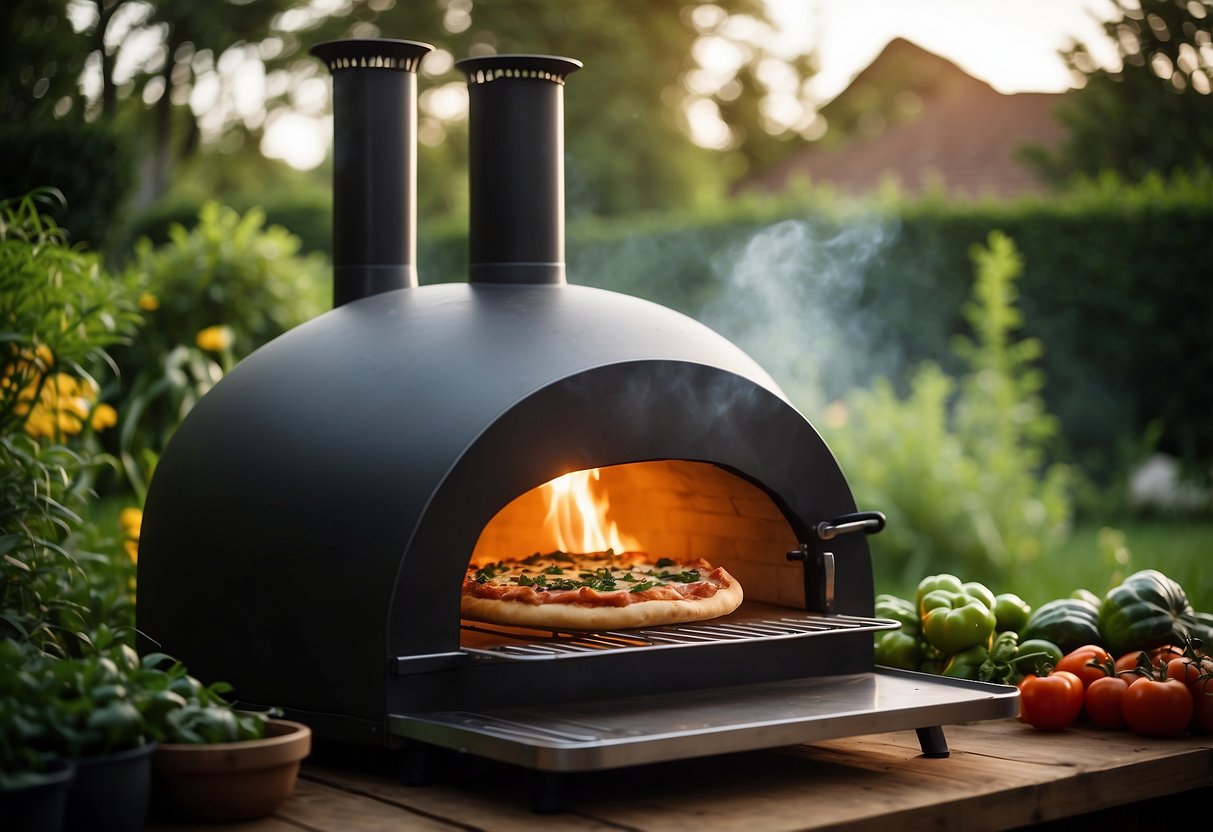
[828, 295]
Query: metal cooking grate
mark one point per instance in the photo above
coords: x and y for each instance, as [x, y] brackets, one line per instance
[538, 646]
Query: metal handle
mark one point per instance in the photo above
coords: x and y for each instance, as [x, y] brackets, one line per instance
[868, 522]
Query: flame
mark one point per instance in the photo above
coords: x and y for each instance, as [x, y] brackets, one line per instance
[577, 519]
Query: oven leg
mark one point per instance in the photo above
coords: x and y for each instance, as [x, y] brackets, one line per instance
[932, 741]
[547, 792]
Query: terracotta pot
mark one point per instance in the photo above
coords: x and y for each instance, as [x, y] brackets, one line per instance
[229, 781]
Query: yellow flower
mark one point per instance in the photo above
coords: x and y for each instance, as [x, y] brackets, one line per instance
[149, 302]
[131, 521]
[62, 407]
[214, 338]
[104, 416]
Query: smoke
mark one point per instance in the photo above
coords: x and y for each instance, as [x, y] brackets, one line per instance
[795, 297]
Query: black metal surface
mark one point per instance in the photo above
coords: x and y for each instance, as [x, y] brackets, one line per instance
[308, 527]
[516, 167]
[374, 164]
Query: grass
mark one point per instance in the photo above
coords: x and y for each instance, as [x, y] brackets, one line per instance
[1179, 548]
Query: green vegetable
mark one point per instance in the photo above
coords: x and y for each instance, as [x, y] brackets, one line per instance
[933, 659]
[967, 663]
[945, 581]
[1201, 625]
[1011, 611]
[900, 610]
[896, 648]
[999, 666]
[1088, 596]
[1147, 609]
[955, 621]
[1067, 622]
[979, 591]
[1033, 653]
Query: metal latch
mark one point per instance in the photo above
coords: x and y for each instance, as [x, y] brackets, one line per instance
[868, 522]
[818, 577]
[819, 567]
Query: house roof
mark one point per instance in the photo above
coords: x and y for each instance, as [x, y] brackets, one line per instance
[919, 119]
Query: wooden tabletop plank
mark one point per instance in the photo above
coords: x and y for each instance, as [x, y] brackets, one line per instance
[1000, 775]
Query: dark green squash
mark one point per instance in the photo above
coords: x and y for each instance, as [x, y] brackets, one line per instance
[1067, 622]
[1146, 610]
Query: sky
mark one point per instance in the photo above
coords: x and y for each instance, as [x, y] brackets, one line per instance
[1012, 45]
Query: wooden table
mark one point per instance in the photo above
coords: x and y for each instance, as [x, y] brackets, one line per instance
[1000, 775]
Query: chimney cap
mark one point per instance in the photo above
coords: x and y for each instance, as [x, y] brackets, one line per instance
[544, 67]
[372, 53]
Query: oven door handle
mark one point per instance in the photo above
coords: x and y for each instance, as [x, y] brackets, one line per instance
[868, 522]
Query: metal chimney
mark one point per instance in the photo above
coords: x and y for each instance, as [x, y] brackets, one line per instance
[516, 167]
[374, 164]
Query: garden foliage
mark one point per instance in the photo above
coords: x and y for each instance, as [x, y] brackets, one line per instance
[213, 293]
[59, 313]
[959, 465]
[1118, 288]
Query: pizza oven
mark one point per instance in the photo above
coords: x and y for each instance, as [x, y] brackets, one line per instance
[309, 526]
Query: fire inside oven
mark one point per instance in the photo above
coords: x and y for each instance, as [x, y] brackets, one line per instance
[667, 512]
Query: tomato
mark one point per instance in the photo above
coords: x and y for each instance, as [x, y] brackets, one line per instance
[1157, 707]
[1078, 661]
[1104, 699]
[1053, 702]
[1188, 670]
[1202, 705]
[1158, 657]
[1127, 662]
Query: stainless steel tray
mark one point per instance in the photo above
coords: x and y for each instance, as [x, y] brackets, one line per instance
[603, 734]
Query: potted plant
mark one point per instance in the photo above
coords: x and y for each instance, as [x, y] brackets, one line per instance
[215, 763]
[80, 711]
[33, 783]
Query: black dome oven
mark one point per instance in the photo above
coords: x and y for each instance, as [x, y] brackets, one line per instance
[308, 528]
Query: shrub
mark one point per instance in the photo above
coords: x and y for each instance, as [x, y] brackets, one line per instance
[213, 294]
[60, 312]
[959, 465]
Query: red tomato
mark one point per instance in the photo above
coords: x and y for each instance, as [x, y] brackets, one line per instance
[1157, 708]
[1128, 662]
[1159, 656]
[1202, 705]
[1077, 661]
[1188, 670]
[1104, 699]
[1051, 702]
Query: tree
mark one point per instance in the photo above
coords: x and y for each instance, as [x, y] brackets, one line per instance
[1154, 113]
[628, 112]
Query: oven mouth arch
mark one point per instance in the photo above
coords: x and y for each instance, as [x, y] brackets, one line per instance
[610, 415]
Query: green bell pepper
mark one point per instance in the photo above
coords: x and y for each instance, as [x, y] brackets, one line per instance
[933, 659]
[955, 621]
[967, 663]
[899, 610]
[896, 648]
[1011, 611]
[979, 591]
[945, 581]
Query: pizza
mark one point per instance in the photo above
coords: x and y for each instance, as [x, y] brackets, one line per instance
[597, 591]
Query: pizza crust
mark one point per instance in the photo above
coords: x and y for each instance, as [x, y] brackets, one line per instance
[586, 617]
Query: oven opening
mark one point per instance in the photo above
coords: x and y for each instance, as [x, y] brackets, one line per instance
[677, 509]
